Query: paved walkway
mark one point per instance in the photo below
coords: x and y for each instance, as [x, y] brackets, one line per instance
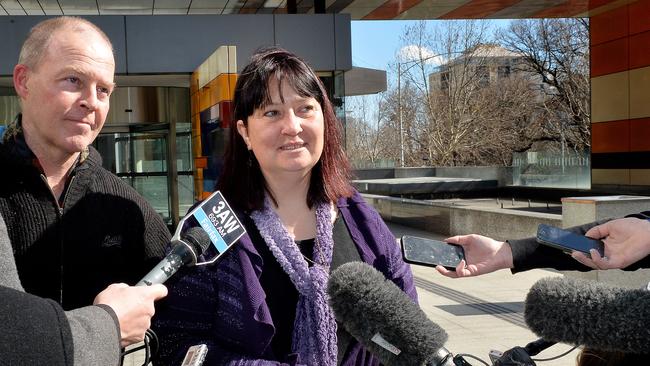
[480, 313]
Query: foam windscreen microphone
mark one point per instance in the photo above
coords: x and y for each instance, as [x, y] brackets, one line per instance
[384, 319]
[185, 251]
[596, 315]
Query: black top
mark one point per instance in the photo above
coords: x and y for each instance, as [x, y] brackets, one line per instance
[282, 295]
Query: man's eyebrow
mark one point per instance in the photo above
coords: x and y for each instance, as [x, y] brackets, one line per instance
[81, 71]
[73, 69]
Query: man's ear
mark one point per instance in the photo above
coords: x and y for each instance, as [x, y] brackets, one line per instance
[21, 75]
[243, 132]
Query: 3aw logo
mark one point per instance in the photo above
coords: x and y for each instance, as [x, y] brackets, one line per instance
[220, 222]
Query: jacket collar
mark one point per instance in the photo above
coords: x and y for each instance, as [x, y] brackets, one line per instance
[13, 140]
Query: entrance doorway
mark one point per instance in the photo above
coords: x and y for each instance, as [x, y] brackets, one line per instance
[160, 172]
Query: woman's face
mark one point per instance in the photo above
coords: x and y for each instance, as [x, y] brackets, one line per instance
[285, 137]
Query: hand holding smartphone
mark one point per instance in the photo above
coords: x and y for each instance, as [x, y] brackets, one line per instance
[568, 241]
[429, 252]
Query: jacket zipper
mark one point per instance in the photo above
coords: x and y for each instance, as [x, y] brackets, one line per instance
[61, 246]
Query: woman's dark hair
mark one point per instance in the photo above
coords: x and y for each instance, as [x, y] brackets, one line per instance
[591, 357]
[242, 182]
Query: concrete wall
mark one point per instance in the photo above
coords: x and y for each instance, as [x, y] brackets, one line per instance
[502, 174]
[383, 173]
[448, 219]
[178, 44]
[582, 210]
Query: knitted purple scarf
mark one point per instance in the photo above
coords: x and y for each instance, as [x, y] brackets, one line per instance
[314, 330]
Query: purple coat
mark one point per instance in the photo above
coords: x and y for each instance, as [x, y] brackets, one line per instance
[224, 305]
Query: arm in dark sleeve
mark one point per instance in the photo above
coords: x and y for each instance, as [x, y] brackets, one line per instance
[35, 330]
[156, 234]
[529, 254]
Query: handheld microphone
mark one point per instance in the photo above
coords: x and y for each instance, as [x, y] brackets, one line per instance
[384, 319]
[596, 315]
[185, 251]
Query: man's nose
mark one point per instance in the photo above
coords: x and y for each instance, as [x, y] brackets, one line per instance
[89, 98]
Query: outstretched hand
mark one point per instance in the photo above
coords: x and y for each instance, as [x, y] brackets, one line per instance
[133, 306]
[482, 255]
[626, 241]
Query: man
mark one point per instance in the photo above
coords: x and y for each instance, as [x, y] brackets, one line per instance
[75, 228]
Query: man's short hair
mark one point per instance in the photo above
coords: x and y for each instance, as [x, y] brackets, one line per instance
[40, 35]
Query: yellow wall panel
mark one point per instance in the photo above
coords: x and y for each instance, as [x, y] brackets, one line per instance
[232, 81]
[640, 92]
[196, 136]
[194, 82]
[610, 97]
[194, 103]
[610, 176]
[222, 88]
[640, 177]
[204, 99]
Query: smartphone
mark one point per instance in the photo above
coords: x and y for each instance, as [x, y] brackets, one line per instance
[195, 355]
[429, 252]
[568, 241]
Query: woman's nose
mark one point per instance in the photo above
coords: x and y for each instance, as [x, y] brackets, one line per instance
[292, 124]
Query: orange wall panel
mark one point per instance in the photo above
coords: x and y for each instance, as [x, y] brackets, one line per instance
[194, 82]
[478, 9]
[391, 9]
[640, 134]
[609, 57]
[204, 99]
[194, 103]
[222, 88]
[639, 16]
[607, 137]
[640, 49]
[609, 26]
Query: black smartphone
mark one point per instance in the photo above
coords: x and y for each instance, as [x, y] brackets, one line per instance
[568, 241]
[429, 252]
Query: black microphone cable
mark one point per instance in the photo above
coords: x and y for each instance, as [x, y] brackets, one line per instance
[150, 346]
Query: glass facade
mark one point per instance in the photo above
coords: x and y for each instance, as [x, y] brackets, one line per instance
[141, 159]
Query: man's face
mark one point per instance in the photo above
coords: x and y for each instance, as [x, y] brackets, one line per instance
[65, 98]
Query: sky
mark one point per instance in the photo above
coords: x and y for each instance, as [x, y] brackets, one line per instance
[375, 43]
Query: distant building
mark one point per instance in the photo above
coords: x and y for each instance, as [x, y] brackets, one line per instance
[485, 64]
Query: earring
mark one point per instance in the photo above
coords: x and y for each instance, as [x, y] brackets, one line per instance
[250, 158]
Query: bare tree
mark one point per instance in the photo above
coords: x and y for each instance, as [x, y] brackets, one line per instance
[365, 145]
[557, 52]
[461, 100]
[466, 112]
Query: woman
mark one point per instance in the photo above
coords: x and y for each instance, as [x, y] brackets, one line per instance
[286, 175]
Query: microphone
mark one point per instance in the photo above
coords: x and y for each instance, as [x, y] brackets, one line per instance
[384, 319]
[185, 251]
[596, 315]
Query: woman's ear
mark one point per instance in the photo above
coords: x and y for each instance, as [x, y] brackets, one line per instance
[243, 132]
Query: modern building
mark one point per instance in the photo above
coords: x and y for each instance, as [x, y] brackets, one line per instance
[159, 45]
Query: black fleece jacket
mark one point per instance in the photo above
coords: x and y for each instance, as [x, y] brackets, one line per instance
[105, 232]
